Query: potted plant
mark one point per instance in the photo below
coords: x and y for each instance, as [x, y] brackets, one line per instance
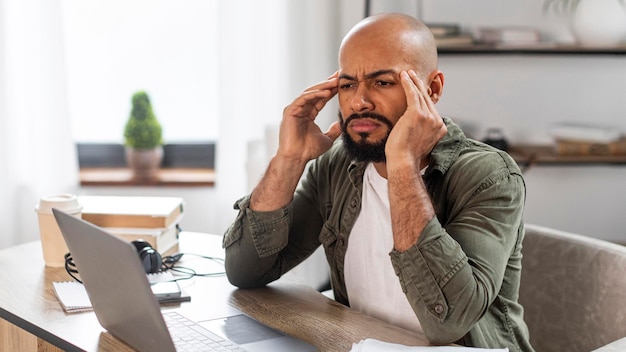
[592, 22]
[143, 138]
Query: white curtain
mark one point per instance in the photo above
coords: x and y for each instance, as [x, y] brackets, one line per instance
[37, 154]
[269, 52]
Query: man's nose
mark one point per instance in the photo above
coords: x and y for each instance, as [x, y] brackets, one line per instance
[361, 100]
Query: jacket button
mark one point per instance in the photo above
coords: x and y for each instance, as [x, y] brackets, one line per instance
[353, 203]
[439, 309]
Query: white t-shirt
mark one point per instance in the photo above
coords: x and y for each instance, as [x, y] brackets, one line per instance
[373, 287]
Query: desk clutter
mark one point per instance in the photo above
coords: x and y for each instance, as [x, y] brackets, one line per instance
[155, 220]
[151, 220]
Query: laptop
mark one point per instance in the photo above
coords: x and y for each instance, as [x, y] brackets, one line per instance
[126, 307]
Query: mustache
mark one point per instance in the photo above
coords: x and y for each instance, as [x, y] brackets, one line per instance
[371, 115]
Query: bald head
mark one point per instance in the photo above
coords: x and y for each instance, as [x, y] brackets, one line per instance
[398, 35]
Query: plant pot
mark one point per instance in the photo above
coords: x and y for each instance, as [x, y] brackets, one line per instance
[599, 23]
[144, 163]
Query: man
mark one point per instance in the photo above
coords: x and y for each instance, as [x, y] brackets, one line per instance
[421, 226]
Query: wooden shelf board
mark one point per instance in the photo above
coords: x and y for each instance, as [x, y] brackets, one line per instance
[539, 48]
[545, 154]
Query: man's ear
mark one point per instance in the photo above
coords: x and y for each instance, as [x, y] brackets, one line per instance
[436, 85]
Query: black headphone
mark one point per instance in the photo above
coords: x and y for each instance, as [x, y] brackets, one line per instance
[150, 258]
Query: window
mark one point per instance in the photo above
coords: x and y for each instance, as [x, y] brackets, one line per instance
[167, 48]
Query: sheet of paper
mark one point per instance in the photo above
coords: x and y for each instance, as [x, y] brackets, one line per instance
[373, 345]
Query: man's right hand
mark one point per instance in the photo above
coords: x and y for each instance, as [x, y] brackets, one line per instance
[301, 139]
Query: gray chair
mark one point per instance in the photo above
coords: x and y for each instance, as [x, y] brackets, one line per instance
[573, 289]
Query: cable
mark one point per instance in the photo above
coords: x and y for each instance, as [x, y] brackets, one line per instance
[70, 267]
[167, 263]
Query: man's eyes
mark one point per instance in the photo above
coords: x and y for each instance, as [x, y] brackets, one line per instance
[347, 85]
[380, 83]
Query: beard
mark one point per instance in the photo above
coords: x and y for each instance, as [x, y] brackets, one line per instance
[360, 149]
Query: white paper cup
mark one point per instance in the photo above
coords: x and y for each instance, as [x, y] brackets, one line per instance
[52, 242]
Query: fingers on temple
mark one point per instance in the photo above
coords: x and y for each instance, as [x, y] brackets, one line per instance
[411, 90]
[420, 92]
[329, 84]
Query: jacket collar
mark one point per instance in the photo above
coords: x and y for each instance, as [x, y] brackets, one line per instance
[448, 149]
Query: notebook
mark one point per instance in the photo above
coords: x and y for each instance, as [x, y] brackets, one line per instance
[126, 307]
[74, 299]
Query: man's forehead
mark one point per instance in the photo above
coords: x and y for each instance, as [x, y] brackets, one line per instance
[366, 74]
[364, 61]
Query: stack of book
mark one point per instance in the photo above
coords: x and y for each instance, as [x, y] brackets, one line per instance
[508, 36]
[586, 139]
[152, 219]
[582, 148]
[450, 35]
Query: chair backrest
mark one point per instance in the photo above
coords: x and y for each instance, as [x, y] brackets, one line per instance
[573, 289]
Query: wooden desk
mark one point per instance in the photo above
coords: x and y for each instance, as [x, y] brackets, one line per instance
[33, 320]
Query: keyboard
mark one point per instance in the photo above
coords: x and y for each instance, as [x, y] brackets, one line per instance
[189, 336]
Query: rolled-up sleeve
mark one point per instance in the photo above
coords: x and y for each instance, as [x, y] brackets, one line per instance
[252, 243]
[455, 271]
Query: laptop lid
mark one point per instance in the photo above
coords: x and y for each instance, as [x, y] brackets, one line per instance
[111, 269]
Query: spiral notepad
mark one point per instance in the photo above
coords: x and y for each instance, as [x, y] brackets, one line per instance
[73, 296]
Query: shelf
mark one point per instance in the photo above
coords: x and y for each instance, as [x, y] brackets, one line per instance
[530, 155]
[541, 49]
[172, 177]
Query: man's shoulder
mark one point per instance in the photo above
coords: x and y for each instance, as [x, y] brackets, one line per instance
[484, 159]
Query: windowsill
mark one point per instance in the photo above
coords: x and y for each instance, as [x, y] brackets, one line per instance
[168, 177]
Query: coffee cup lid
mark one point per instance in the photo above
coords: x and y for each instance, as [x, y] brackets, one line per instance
[64, 201]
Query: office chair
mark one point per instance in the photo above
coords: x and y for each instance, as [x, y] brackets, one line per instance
[573, 289]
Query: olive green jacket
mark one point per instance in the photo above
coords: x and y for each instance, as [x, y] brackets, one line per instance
[462, 276]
